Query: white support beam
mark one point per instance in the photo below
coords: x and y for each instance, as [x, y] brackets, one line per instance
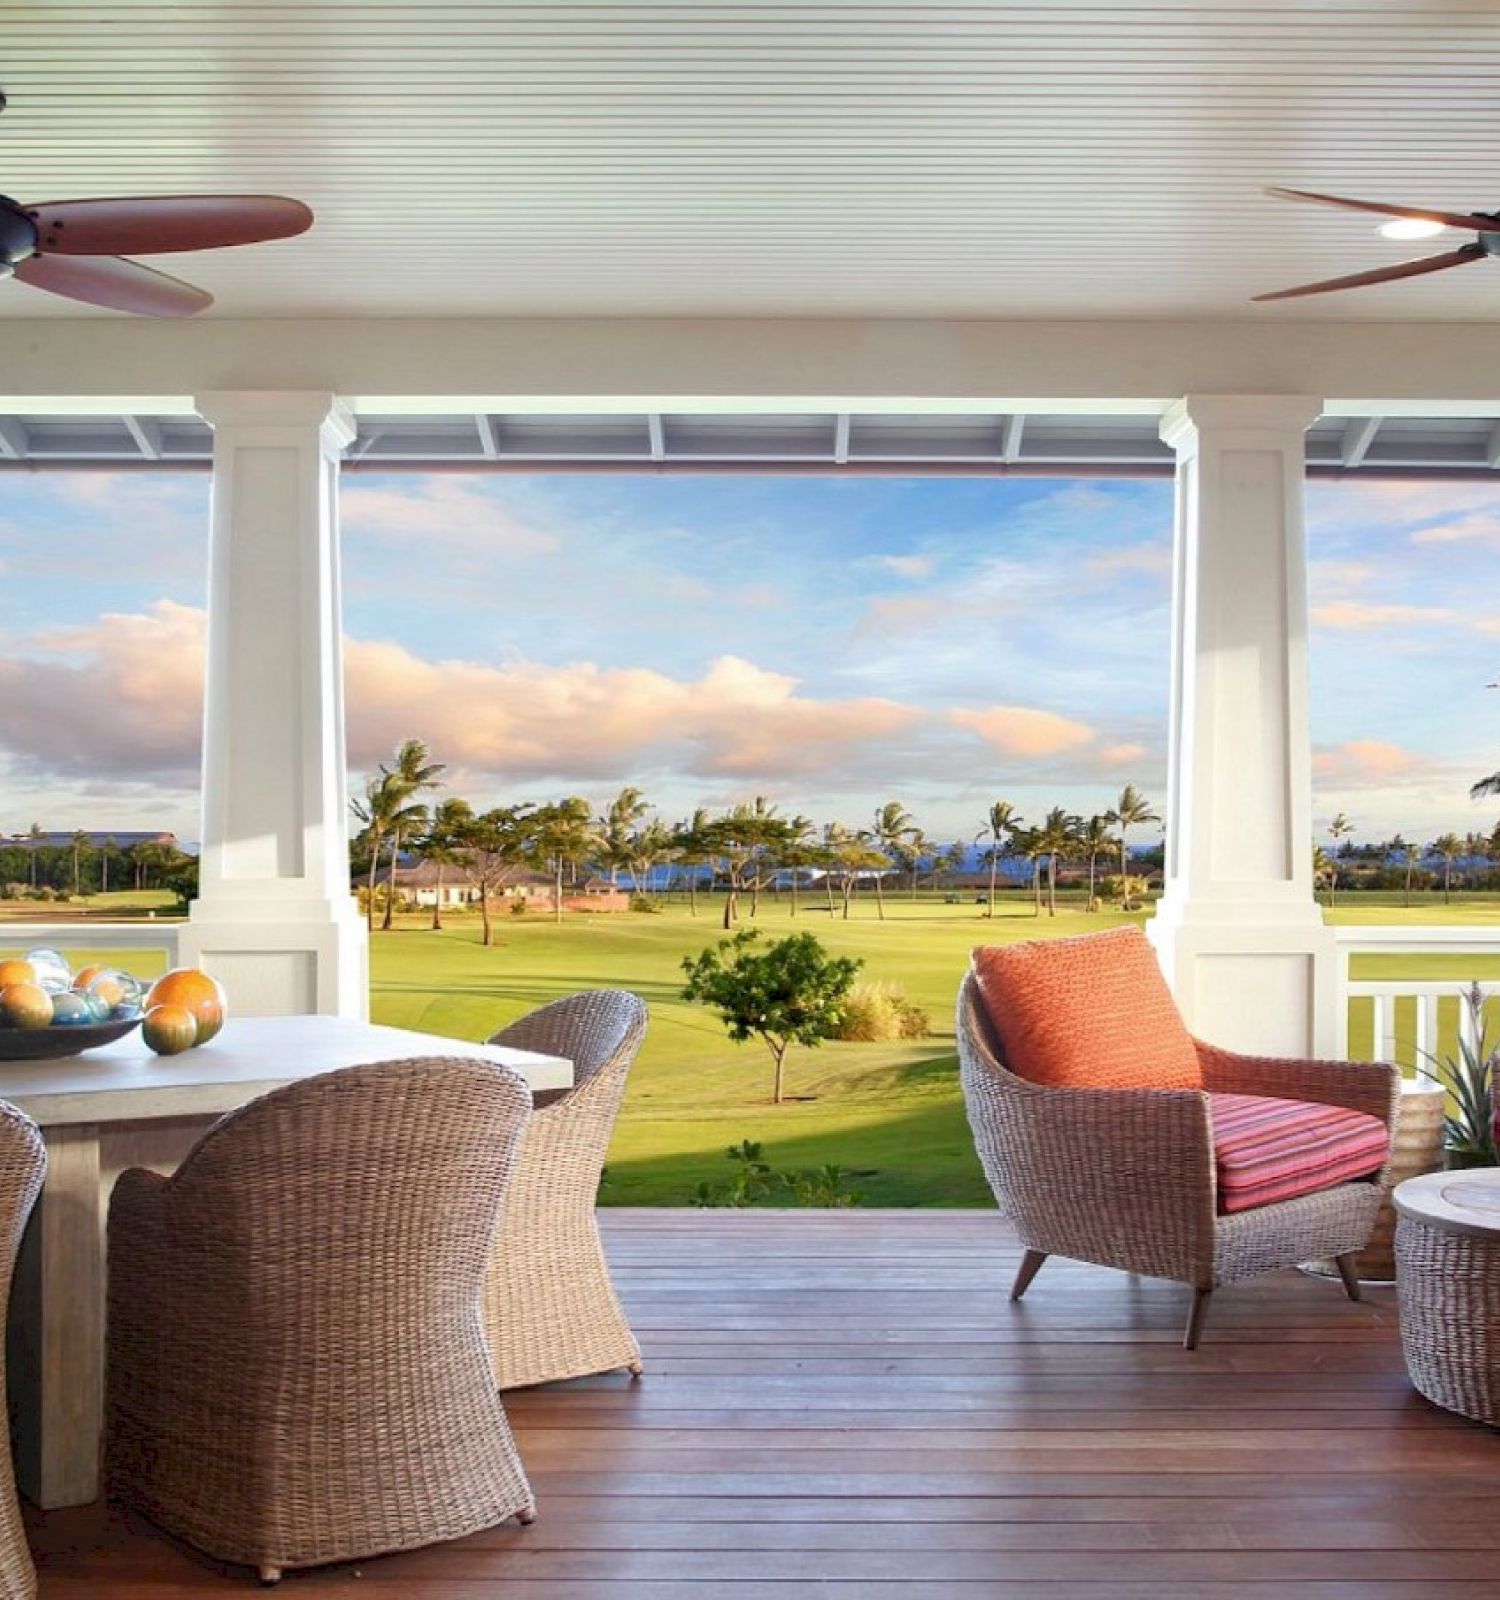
[1359, 435]
[146, 432]
[657, 433]
[1015, 427]
[274, 917]
[485, 424]
[1239, 933]
[14, 444]
[841, 438]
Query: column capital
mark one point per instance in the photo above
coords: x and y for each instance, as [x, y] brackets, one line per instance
[1183, 422]
[279, 409]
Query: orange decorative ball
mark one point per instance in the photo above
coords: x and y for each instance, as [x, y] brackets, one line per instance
[170, 1029]
[195, 992]
[16, 971]
[25, 1005]
[85, 976]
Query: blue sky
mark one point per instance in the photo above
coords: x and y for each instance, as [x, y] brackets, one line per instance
[831, 643]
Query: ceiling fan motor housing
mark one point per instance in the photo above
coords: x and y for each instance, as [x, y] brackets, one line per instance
[18, 236]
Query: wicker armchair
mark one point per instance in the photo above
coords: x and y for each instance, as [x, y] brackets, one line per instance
[297, 1367]
[550, 1308]
[23, 1165]
[1126, 1178]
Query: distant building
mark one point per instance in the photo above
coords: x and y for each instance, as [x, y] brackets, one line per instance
[118, 838]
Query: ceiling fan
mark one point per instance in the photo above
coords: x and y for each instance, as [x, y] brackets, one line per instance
[77, 248]
[1486, 224]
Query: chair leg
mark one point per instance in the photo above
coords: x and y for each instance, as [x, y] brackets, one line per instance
[526, 1516]
[1345, 1264]
[268, 1575]
[1031, 1264]
[1195, 1318]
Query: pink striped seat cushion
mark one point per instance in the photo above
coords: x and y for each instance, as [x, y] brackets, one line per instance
[1267, 1150]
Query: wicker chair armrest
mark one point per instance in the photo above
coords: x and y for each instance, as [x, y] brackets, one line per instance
[1373, 1087]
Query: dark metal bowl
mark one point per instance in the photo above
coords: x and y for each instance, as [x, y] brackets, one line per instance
[46, 1044]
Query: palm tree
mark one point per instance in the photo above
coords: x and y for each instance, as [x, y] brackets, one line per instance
[691, 843]
[1130, 810]
[80, 849]
[645, 848]
[1057, 837]
[413, 772]
[35, 834]
[893, 827]
[1093, 841]
[798, 851]
[1450, 847]
[441, 844]
[1003, 823]
[1409, 856]
[1338, 829]
[626, 812]
[917, 849]
[562, 835]
[375, 811]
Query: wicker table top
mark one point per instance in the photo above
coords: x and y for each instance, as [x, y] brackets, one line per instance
[1453, 1202]
[124, 1082]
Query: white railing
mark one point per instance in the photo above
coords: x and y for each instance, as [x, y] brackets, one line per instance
[1412, 1019]
[146, 935]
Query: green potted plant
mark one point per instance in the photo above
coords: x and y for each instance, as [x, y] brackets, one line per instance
[1468, 1076]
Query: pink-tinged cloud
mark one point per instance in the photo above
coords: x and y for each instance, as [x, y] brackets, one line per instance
[1348, 616]
[909, 567]
[1358, 761]
[444, 510]
[1122, 755]
[1023, 731]
[124, 696]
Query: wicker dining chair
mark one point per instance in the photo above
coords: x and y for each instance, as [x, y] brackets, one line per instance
[1127, 1177]
[550, 1308]
[23, 1165]
[297, 1364]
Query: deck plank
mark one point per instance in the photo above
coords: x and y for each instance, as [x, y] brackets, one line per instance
[847, 1402]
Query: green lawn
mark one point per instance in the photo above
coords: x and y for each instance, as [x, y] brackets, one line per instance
[889, 1113]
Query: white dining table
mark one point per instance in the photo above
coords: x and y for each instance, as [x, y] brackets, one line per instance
[122, 1106]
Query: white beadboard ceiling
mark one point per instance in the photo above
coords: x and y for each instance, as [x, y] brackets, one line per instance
[797, 159]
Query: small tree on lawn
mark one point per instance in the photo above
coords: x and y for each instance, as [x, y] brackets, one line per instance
[786, 993]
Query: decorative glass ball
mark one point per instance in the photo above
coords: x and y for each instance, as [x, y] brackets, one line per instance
[119, 991]
[52, 971]
[70, 1010]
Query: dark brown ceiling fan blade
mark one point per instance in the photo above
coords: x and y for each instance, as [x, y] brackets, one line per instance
[1357, 280]
[110, 281]
[1450, 219]
[157, 224]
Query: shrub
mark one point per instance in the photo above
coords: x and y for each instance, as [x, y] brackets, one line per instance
[642, 902]
[876, 1012]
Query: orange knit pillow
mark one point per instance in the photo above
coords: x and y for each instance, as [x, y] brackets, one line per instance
[1087, 1013]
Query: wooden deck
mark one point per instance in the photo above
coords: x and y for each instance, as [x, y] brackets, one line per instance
[846, 1405]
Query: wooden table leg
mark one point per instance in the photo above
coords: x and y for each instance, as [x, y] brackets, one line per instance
[55, 1340]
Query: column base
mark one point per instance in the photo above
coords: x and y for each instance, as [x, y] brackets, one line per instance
[282, 960]
[1258, 979]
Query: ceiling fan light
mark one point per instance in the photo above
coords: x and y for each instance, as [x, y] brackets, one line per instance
[1410, 228]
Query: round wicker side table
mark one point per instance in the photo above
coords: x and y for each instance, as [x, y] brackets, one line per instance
[1448, 1285]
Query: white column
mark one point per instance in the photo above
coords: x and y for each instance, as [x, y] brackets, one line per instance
[1238, 931]
[274, 919]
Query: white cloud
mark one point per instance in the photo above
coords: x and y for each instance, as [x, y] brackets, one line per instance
[442, 509]
[910, 567]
